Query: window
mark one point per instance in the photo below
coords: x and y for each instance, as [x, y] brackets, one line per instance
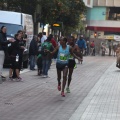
[114, 13]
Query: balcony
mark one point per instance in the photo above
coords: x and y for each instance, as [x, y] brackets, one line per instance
[108, 3]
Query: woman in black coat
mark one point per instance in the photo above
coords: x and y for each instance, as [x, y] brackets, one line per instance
[15, 57]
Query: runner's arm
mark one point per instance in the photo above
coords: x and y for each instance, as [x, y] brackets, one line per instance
[76, 48]
[71, 52]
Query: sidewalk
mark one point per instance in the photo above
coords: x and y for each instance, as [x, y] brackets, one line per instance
[103, 101]
[5, 71]
[94, 94]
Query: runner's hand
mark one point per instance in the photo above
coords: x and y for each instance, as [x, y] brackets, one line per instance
[80, 59]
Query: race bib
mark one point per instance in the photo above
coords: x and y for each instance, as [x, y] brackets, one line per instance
[63, 57]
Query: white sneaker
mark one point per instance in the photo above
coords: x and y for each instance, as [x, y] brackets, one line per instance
[44, 76]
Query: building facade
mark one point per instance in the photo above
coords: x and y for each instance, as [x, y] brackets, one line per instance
[104, 18]
[88, 3]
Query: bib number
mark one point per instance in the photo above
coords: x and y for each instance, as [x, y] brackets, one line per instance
[63, 57]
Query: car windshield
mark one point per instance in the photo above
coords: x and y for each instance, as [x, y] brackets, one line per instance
[11, 28]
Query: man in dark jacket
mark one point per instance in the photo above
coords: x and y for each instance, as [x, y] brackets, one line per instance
[3, 47]
[33, 52]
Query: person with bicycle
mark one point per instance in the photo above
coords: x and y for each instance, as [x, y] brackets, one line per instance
[82, 46]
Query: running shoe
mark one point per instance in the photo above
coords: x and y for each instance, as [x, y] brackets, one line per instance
[19, 79]
[59, 87]
[68, 90]
[62, 94]
[44, 76]
[3, 77]
[10, 78]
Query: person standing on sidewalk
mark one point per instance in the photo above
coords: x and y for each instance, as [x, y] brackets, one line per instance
[46, 56]
[22, 43]
[33, 49]
[3, 47]
[15, 58]
[44, 38]
[64, 52]
[92, 47]
[54, 44]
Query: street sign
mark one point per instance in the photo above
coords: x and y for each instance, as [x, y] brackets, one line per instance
[109, 37]
[57, 26]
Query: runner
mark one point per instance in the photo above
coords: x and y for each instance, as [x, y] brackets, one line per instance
[64, 52]
[72, 63]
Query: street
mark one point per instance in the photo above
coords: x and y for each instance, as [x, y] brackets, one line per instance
[37, 98]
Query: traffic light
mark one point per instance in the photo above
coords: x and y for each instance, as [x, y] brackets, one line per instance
[95, 34]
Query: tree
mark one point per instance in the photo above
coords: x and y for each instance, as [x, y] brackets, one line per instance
[20, 5]
[66, 11]
[72, 17]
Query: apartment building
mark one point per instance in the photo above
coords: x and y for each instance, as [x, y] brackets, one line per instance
[104, 19]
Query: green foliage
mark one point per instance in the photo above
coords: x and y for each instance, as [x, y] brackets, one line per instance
[51, 11]
[25, 6]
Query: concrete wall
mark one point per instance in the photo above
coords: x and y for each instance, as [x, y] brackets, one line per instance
[96, 13]
[103, 23]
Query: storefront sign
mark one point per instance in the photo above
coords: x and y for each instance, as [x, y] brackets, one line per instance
[116, 37]
[109, 37]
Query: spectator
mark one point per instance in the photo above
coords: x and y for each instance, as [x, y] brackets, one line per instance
[3, 48]
[39, 56]
[92, 47]
[24, 37]
[15, 58]
[44, 37]
[53, 41]
[33, 52]
[22, 43]
[22, 48]
[103, 49]
[88, 47]
[39, 37]
[110, 47]
[114, 49]
[46, 57]
[54, 45]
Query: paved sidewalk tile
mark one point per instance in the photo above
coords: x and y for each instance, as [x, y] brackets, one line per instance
[103, 101]
[37, 98]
